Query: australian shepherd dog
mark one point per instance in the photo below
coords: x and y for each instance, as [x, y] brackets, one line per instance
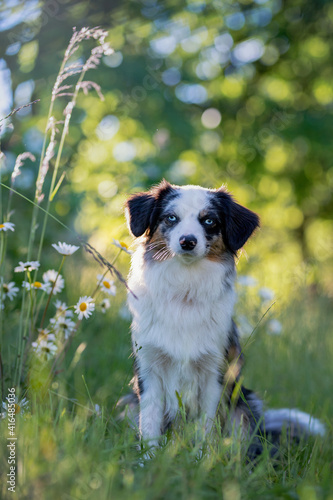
[182, 295]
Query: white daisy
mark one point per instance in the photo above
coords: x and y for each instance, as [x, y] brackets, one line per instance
[10, 290]
[31, 265]
[85, 307]
[245, 326]
[7, 225]
[122, 245]
[20, 406]
[50, 277]
[266, 294]
[62, 325]
[45, 334]
[247, 280]
[44, 347]
[105, 304]
[106, 284]
[274, 327]
[37, 285]
[64, 248]
[62, 309]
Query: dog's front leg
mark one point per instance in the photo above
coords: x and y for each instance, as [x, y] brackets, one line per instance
[151, 410]
[210, 400]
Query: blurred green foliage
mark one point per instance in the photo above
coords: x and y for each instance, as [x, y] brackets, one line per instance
[197, 91]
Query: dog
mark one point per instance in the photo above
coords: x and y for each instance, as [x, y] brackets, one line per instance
[181, 295]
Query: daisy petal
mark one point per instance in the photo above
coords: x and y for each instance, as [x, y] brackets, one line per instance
[64, 248]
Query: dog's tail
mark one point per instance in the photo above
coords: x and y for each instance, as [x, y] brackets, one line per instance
[271, 425]
[297, 423]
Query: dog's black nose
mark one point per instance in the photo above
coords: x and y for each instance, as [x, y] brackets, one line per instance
[188, 242]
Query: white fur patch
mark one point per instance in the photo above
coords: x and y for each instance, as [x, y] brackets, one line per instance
[192, 201]
[275, 419]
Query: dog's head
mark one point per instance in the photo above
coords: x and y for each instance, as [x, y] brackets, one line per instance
[189, 221]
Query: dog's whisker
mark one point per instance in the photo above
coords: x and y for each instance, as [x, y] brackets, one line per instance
[155, 244]
[159, 254]
[168, 254]
[163, 255]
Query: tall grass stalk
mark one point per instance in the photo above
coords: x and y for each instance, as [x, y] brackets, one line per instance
[67, 70]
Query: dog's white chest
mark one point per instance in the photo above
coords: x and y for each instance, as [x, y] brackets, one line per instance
[183, 310]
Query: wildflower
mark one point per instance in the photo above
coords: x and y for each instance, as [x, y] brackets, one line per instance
[64, 248]
[105, 304]
[247, 281]
[62, 309]
[106, 285]
[7, 225]
[274, 327]
[98, 410]
[37, 285]
[245, 326]
[43, 346]
[20, 406]
[31, 265]
[45, 334]
[9, 290]
[122, 245]
[50, 277]
[62, 325]
[266, 294]
[85, 307]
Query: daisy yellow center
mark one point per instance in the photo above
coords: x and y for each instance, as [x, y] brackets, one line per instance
[106, 284]
[123, 244]
[2, 226]
[5, 288]
[37, 284]
[83, 306]
[17, 408]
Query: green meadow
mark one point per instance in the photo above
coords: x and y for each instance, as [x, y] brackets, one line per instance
[198, 92]
[68, 448]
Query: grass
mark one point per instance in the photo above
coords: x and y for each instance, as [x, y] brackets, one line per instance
[70, 444]
[66, 450]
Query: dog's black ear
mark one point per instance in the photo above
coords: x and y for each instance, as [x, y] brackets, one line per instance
[143, 209]
[138, 211]
[238, 222]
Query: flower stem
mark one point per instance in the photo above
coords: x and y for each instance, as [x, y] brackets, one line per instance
[57, 162]
[35, 209]
[67, 343]
[51, 293]
[106, 272]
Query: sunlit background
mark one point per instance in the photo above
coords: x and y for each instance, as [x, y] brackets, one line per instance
[204, 92]
[208, 92]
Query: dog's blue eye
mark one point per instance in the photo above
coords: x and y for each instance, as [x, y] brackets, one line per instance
[209, 222]
[171, 218]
